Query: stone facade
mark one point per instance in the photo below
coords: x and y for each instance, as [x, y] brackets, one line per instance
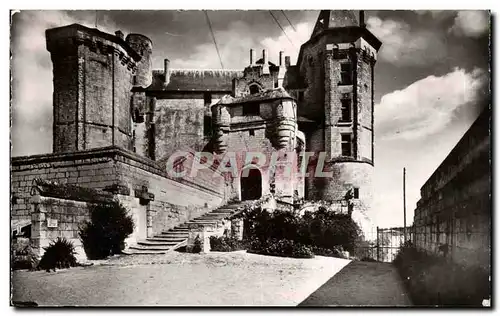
[117, 122]
[454, 211]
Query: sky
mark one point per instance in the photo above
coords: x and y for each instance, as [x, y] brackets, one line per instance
[431, 78]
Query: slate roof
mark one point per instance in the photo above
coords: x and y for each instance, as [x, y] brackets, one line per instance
[270, 94]
[195, 80]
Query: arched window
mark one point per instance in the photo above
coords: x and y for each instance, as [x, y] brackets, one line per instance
[254, 88]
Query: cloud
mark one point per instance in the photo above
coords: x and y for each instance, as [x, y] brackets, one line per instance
[471, 23]
[403, 46]
[235, 52]
[32, 76]
[428, 105]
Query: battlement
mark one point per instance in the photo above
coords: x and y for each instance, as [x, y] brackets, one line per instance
[71, 35]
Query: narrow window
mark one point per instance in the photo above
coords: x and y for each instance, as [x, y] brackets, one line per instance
[345, 110]
[207, 126]
[251, 132]
[346, 74]
[356, 193]
[346, 145]
[207, 97]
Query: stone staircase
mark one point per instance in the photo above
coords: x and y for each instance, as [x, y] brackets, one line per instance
[177, 237]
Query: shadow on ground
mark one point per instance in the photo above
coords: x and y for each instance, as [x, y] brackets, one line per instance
[361, 284]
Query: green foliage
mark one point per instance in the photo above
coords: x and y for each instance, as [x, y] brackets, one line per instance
[196, 245]
[434, 280]
[59, 254]
[280, 248]
[105, 234]
[324, 232]
[225, 244]
[23, 256]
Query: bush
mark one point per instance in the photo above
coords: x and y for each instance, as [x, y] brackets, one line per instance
[280, 248]
[324, 232]
[23, 256]
[105, 234]
[434, 280]
[196, 245]
[336, 252]
[225, 244]
[59, 254]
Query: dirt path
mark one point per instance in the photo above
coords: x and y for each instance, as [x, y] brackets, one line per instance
[213, 279]
[362, 283]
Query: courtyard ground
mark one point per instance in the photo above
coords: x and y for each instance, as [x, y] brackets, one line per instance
[180, 279]
[362, 284]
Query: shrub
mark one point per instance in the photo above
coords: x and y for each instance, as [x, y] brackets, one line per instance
[105, 234]
[280, 248]
[336, 252]
[225, 244]
[23, 256]
[196, 245]
[59, 254]
[434, 280]
[325, 232]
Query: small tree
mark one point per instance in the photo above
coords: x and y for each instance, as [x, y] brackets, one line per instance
[105, 234]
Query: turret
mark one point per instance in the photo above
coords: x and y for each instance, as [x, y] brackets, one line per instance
[338, 64]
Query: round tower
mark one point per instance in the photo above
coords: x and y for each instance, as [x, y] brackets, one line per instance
[343, 139]
[221, 120]
[144, 47]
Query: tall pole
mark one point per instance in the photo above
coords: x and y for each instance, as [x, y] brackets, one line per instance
[404, 202]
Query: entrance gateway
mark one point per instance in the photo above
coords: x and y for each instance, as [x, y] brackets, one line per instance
[251, 185]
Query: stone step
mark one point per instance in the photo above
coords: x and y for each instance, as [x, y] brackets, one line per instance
[155, 243]
[144, 252]
[150, 247]
[167, 238]
[202, 220]
[220, 213]
[175, 232]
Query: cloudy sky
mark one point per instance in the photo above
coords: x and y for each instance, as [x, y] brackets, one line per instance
[432, 76]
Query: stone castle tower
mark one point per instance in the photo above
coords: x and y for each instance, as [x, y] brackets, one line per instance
[107, 94]
[336, 100]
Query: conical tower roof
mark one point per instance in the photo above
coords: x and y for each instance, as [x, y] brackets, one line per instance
[328, 19]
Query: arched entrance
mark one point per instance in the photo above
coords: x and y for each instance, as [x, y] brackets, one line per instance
[251, 185]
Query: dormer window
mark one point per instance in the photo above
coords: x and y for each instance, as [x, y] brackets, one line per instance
[254, 88]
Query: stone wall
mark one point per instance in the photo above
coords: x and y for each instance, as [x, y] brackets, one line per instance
[66, 215]
[93, 76]
[453, 216]
[121, 172]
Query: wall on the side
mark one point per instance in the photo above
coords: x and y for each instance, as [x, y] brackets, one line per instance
[453, 216]
[175, 199]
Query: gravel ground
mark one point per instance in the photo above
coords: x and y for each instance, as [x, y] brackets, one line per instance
[180, 279]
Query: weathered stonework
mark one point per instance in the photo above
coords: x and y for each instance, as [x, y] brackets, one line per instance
[454, 210]
[117, 122]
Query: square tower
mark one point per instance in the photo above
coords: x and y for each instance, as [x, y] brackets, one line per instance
[93, 78]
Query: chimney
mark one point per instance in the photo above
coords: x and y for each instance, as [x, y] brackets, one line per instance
[287, 61]
[362, 18]
[252, 57]
[265, 66]
[264, 57]
[281, 58]
[119, 34]
[166, 69]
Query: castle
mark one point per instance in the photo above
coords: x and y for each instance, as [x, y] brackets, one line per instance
[117, 122]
